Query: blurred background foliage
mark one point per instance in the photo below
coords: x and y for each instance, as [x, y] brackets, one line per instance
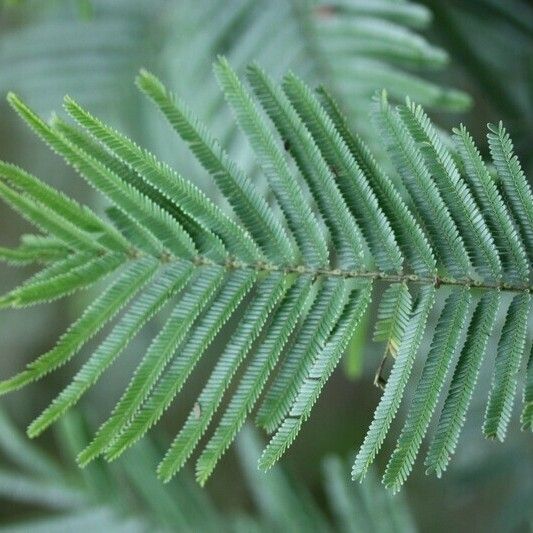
[467, 61]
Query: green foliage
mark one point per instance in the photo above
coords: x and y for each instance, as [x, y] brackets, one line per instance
[127, 496]
[291, 279]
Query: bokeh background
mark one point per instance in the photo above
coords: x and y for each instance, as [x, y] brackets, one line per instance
[467, 61]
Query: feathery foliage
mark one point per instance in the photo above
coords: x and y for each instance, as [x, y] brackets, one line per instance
[295, 281]
[128, 497]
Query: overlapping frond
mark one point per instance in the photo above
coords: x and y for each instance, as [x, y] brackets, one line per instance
[290, 277]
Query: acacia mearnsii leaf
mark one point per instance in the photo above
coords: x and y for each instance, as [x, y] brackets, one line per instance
[412, 240]
[167, 244]
[251, 384]
[526, 418]
[34, 249]
[269, 293]
[347, 238]
[146, 305]
[428, 201]
[322, 367]
[508, 356]
[510, 246]
[99, 312]
[392, 316]
[49, 221]
[231, 294]
[250, 207]
[454, 190]
[306, 343]
[443, 347]
[350, 179]
[394, 388]
[514, 183]
[193, 202]
[464, 379]
[206, 242]
[51, 287]
[288, 192]
[49, 272]
[157, 225]
[79, 215]
[24, 255]
[196, 295]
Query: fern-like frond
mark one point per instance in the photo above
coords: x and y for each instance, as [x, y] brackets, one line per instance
[349, 243]
[393, 316]
[455, 192]
[99, 312]
[514, 182]
[269, 293]
[198, 294]
[508, 358]
[251, 208]
[510, 246]
[322, 367]
[151, 300]
[299, 215]
[62, 279]
[427, 198]
[309, 340]
[34, 249]
[462, 385]
[445, 343]
[200, 338]
[257, 373]
[392, 395]
[359, 197]
[290, 277]
[409, 234]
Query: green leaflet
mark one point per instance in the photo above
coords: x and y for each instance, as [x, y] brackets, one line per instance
[206, 242]
[444, 345]
[50, 222]
[510, 247]
[252, 209]
[103, 309]
[515, 184]
[60, 282]
[198, 294]
[34, 249]
[307, 343]
[434, 212]
[321, 369]
[346, 234]
[351, 181]
[250, 387]
[270, 292]
[164, 179]
[462, 385]
[156, 224]
[408, 232]
[288, 193]
[150, 301]
[455, 192]
[392, 395]
[508, 357]
[393, 316]
[226, 301]
[77, 214]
